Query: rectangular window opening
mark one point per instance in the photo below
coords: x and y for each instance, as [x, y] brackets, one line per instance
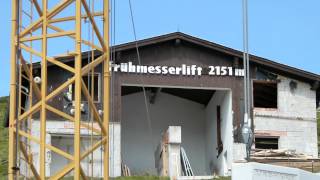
[267, 142]
[265, 94]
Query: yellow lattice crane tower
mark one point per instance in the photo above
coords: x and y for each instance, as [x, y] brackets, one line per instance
[42, 29]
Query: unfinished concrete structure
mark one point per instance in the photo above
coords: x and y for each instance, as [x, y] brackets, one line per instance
[207, 107]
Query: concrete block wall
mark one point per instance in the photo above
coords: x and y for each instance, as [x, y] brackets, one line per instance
[60, 134]
[294, 121]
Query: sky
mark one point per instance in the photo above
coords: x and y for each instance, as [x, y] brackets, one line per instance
[286, 31]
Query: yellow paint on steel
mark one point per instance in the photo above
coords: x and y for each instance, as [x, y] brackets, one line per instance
[60, 88]
[12, 113]
[37, 24]
[93, 64]
[50, 59]
[42, 94]
[93, 107]
[59, 34]
[43, 114]
[94, 25]
[77, 99]
[73, 37]
[72, 18]
[71, 118]
[30, 163]
[106, 88]
[50, 147]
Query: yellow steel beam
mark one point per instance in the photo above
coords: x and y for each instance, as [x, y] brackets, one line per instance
[60, 64]
[61, 30]
[12, 113]
[83, 175]
[94, 25]
[29, 161]
[34, 108]
[55, 10]
[65, 170]
[73, 37]
[72, 18]
[77, 99]
[59, 34]
[43, 113]
[60, 88]
[70, 118]
[30, 77]
[38, 8]
[71, 165]
[93, 64]
[44, 20]
[50, 59]
[50, 147]
[94, 147]
[106, 88]
[92, 106]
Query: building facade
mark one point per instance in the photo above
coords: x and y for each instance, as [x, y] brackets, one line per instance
[180, 80]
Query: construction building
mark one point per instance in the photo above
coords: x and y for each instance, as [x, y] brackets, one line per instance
[183, 81]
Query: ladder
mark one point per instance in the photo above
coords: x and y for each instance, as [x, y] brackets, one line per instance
[186, 167]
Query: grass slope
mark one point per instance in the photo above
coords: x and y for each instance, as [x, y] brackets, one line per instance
[3, 139]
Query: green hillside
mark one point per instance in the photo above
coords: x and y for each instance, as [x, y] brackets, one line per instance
[3, 138]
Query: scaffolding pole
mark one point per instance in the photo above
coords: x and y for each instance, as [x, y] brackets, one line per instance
[40, 102]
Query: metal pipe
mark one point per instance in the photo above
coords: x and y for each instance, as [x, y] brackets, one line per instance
[43, 115]
[17, 90]
[106, 87]
[78, 79]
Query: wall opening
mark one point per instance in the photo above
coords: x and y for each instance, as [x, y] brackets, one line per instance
[195, 110]
[267, 142]
[265, 94]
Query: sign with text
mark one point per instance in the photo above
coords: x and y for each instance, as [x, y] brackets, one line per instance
[185, 70]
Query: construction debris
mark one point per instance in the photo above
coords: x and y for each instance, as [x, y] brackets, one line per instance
[280, 153]
[125, 171]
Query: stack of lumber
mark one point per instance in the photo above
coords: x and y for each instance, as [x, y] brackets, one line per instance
[125, 171]
[279, 153]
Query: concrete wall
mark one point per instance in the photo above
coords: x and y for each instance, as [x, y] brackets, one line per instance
[60, 135]
[138, 144]
[257, 171]
[294, 120]
[222, 164]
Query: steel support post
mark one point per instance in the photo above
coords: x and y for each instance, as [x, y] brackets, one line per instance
[78, 79]
[43, 115]
[106, 87]
[12, 115]
[42, 94]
